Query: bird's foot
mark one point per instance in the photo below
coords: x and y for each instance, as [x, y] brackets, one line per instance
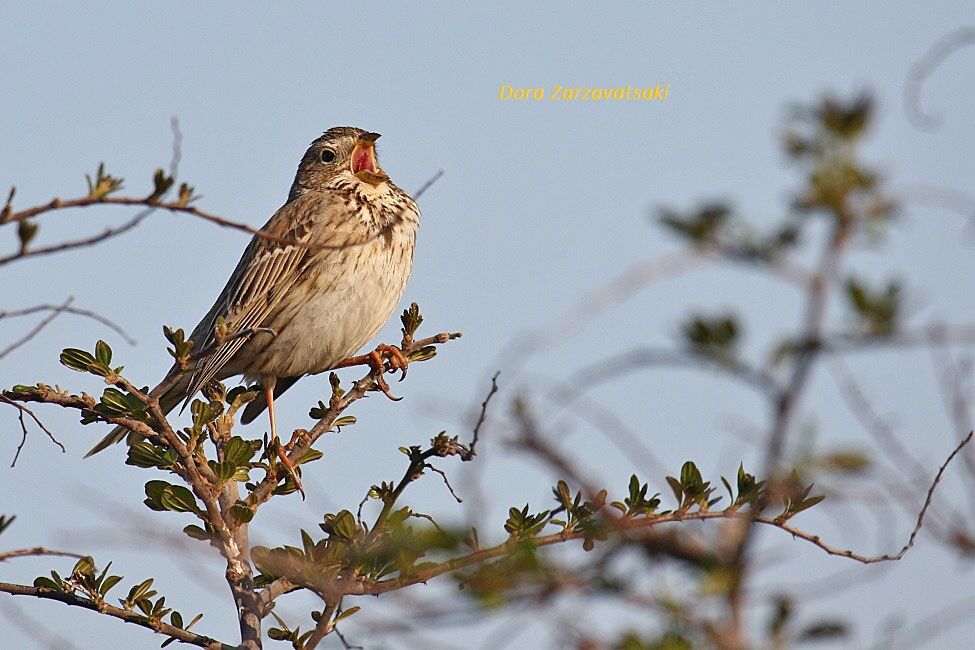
[282, 453]
[299, 434]
[378, 365]
[397, 360]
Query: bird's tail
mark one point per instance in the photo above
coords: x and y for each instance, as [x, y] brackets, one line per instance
[168, 399]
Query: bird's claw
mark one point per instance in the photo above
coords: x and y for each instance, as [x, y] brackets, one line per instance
[396, 361]
[289, 466]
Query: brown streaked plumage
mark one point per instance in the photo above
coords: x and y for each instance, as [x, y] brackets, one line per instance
[322, 300]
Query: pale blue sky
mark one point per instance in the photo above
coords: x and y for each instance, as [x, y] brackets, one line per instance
[540, 202]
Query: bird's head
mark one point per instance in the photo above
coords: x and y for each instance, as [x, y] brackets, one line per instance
[341, 153]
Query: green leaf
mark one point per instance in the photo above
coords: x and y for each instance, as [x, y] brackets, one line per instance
[84, 567]
[115, 402]
[239, 452]
[143, 453]
[242, 513]
[108, 583]
[224, 471]
[102, 185]
[689, 475]
[806, 504]
[278, 634]
[727, 486]
[701, 228]
[186, 195]
[154, 491]
[823, 631]
[139, 591]
[160, 185]
[345, 525]
[180, 499]
[103, 353]
[164, 496]
[309, 456]
[26, 231]
[423, 354]
[76, 359]
[198, 533]
[411, 319]
[346, 613]
[46, 583]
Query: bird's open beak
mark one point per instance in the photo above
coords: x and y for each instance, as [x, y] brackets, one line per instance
[364, 160]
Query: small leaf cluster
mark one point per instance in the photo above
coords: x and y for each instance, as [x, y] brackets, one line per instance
[237, 456]
[5, 521]
[85, 582]
[316, 563]
[186, 195]
[97, 364]
[411, 320]
[711, 227]
[691, 489]
[102, 185]
[160, 185]
[522, 524]
[349, 548]
[637, 503]
[783, 618]
[877, 311]
[749, 489]
[295, 636]
[8, 206]
[579, 514]
[115, 403]
[702, 228]
[182, 348]
[26, 231]
[796, 498]
[824, 141]
[715, 337]
[162, 496]
[285, 633]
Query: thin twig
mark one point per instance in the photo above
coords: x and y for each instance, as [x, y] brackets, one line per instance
[108, 233]
[129, 616]
[930, 495]
[423, 188]
[23, 409]
[483, 414]
[922, 69]
[36, 329]
[37, 550]
[67, 309]
[446, 482]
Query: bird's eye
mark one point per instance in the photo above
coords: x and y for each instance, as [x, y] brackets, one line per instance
[327, 155]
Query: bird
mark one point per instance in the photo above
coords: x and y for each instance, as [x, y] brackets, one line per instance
[325, 278]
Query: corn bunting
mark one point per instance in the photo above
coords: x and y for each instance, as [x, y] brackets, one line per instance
[311, 297]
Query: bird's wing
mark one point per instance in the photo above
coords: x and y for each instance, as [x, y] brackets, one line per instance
[265, 273]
